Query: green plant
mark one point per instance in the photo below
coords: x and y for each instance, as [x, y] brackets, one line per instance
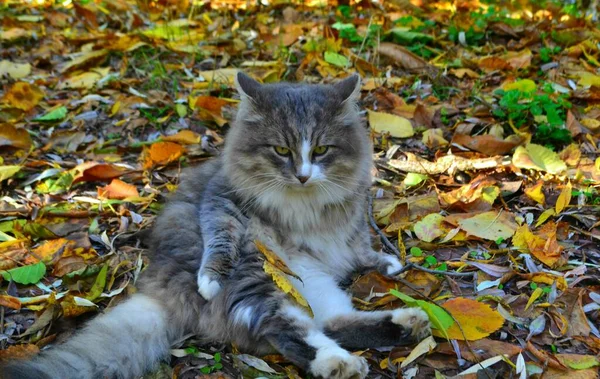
[546, 53]
[217, 366]
[546, 111]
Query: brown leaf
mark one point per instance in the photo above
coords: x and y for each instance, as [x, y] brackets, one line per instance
[10, 302]
[118, 189]
[493, 64]
[486, 144]
[402, 56]
[15, 137]
[23, 96]
[100, 172]
[184, 137]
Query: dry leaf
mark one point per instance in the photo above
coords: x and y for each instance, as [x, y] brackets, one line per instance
[118, 189]
[564, 198]
[478, 320]
[285, 285]
[397, 126]
[23, 96]
[15, 137]
[161, 153]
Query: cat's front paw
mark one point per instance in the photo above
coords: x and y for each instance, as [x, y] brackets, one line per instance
[414, 320]
[337, 363]
[208, 286]
[393, 264]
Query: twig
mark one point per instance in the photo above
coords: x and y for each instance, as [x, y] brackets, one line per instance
[421, 268]
[395, 250]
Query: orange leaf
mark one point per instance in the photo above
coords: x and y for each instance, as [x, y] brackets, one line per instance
[10, 302]
[478, 320]
[18, 352]
[161, 153]
[23, 96]
[210, 103]
[118, 189]
[15, 137]
[184, 137]
[101, 172]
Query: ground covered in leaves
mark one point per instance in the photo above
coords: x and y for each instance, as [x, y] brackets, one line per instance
[485, 121]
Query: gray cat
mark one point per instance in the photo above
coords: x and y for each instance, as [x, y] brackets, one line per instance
[294, 175]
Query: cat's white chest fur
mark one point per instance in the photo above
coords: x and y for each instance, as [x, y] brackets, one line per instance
[329, 259]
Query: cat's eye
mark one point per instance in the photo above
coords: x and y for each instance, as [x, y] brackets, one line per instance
[320, 150]
[283, 151]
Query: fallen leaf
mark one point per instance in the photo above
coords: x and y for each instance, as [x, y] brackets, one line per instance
[15, 137]
[535, 192]
[10, 302]
[429, 228]
[564, 198]
[490, 225]
[118, 189]
[161, 153]
[285, 285]
[14, 70]
[424, 347]
[7, 172]
[55, 114]
[404, 57]
[540, 158]
[184, 137]
[486, 144]
[477, 320]
[30, 274]
[24, 351]
[397, 126]
[23, 96]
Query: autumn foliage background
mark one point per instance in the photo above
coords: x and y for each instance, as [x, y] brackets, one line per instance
[485, 118]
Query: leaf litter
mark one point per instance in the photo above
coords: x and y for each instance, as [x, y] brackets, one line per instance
[485, 120]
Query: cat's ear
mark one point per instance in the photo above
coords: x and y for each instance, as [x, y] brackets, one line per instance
[246, 86]
[349, 88]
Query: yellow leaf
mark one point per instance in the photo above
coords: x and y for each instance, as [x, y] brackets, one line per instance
[564, 198]
[274, 259]
[588, 79]
[397, 126]
[8, 171]
[547, 278]
[540, 158]
[424, 347]
[184, 137]
[84, 80]
[490, 225]
[23, 96]
[477, 320]
[285, 285]
[535, 193]
[534, 296]
[525, 85]
[14, 70]
[545, 216]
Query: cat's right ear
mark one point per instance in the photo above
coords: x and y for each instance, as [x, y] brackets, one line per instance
[246, 86]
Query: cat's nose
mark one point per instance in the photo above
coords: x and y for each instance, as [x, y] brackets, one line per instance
[303, 178]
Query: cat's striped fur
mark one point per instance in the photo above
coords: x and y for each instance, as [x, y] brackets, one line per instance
[317, 226]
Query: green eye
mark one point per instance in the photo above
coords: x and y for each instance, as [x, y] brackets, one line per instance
[320, 150]
[282, 150]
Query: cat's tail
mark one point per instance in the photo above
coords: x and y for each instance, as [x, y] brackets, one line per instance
[127, 341]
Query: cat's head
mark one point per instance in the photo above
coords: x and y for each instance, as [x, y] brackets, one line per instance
[299, 141]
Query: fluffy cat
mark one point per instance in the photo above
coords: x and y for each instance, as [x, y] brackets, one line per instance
[294, 174]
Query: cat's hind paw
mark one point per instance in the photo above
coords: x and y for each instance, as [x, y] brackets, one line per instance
[337, 363]
[208, 287]
[414, 320]
[393, 264]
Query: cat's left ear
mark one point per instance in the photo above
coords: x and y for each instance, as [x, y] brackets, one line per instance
[246, 86]
[349, 88]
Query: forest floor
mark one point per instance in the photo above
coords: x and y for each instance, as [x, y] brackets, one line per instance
[485, 120]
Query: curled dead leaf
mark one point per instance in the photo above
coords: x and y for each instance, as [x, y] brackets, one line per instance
[118, 189]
